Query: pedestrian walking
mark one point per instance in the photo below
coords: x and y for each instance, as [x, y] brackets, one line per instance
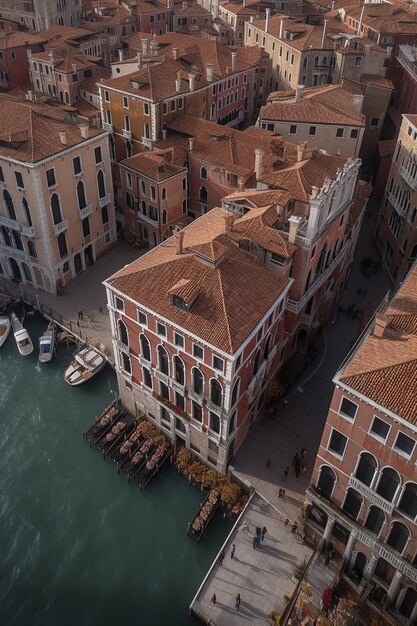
[287, 469]
[232, 551]
[255, 541]
[101, 309]
[294, 528]
[268, 463]
[258, 541]
[221, 557]
[80, 315]
[280, 493]
[303, 452]
[237, 603]
[213, 598]
[263, 533]
[78, 323]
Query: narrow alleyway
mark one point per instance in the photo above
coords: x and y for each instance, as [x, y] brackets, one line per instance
[300, 423]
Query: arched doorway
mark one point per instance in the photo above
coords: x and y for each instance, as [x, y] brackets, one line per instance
[38, 277]
[15, 269]
[88, 255]
[78, 265]
[357, 568]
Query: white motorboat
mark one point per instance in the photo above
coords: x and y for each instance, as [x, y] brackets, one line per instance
[5, 327]
[47, 344]
[21, 335]
[86, 363]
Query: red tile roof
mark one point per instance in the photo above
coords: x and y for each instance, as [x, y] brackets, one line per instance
[155, 165]
[232, 292]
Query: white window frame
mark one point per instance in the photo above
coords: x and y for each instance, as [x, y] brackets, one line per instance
[347, 417]
[157, 331]
[336, 454]
[201, 359]
[375, 435]
[402, 452]
[125, 102]
[182, 338]
[146, 107]
[115, 304]
[214, 356]
[106, 96]
[145, 324]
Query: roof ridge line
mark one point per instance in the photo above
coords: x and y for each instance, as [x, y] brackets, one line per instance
[379, 369]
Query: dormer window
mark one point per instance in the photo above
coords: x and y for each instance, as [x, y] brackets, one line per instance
[180, 303]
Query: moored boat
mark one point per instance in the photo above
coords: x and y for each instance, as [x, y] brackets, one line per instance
[5, 327]
[86, 363]
[47, 344]
[21, 335]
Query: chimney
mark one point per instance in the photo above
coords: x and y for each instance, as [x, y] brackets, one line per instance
[229, 219]
[234, 58]
[145, 47]
[267, 13]
[251, 19]
[241, 183]
[190, 143]
[30, 95]
[281, 28]
[358, 32]
[184, 5]
[29, 52]
[298, 92]
[84, 129]
[121, 55]
[179, 236]
[63, 137]
[192, 80]
[209, 72]
[295, 222]
[300, 153]
[139, 58]
[175, 53]
[244, 4]
[358, 102]
[178, 85]
[258, 162]
[381, 322]
[323, 41]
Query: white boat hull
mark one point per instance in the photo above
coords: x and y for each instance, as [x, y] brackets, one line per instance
[86, 364]
[5, 327]
[22, 338]
[47, 344]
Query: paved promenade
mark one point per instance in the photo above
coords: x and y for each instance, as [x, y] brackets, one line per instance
[300, 423]
[262, 576]
[87, 294]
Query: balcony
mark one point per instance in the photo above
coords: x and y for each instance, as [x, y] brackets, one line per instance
[322, 66]
[297, 306]
[375, 498]
[411, 182]
[178, 387]
[147, 142]
[147, 220]
[172, 407]
[15, 225]
[104, 200]
[397, 206]
[163, 378]
[59, 228]
[127, 134]
[213, 407]
[86, 211]
[108, 127]
[195, 396]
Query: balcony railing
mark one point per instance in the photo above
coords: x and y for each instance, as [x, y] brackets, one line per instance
[172, 407]
[411, 182]
[127, 134]
[397, 205]
[297, 306]
[322, 66]
[147, 142]
[147, 220]
[104, 200]
[371, 495]
[15, 225]
[58, 228]
[86, 211]
[213, 407]
[107, 126]
[160, 376]
[195, 396]
[178, 387]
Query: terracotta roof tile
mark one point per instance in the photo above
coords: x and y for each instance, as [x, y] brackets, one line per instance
[155, 165]
[16, 39]
[233, 293]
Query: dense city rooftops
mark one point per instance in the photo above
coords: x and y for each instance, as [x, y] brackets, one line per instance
[155, 165]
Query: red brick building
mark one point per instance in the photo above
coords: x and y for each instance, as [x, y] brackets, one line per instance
[363, 497]
[14, 62]
[197, 332]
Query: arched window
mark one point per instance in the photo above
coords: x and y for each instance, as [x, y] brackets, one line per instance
[398, 537]
[198, 381]
[25, 206]
[326, 481]
[179, 370]
[235, 391]
[203, 194]
[32, 250]
[184, 184]
[82, 202]
[353, 502]
[8, 200]
[164, 193]
[101, 184]
[26, 272]
[216, 392]
[56, 209]
[408, 502]
[305, 63]
[62, 245]
[256, 363]
[366, 468]
[358, 567]
[267, 349]
[127, 123]
[184, 206]
[145, 347]
[408, 602]
[232, 424]
[163, 360]
[147, 131]
[324, 60]
[112, 148]
[375, 520]
[203, 173]
[316, 61]
[17, 240]
[164, 216]
[388, 484]
[123, 335]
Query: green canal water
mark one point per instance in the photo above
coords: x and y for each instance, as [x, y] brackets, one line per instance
[80, 546]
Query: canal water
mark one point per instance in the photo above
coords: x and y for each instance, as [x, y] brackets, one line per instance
[78, 544]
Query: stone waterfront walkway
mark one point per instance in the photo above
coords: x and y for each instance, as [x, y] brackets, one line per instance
[262, 576]
[85, 293]
[300, 423]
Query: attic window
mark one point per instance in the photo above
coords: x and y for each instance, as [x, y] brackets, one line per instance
[180, 303]
[217, 137]
[136, 84]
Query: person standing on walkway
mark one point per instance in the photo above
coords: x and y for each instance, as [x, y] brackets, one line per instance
[232, 551]
[213, 598]
[221, 558]
[263, 533]
[255, 541]
[287, 469]
[80, 315]
[237, 603]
